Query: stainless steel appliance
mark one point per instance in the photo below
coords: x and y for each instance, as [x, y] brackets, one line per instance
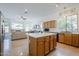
[5, 35]
[1, 34]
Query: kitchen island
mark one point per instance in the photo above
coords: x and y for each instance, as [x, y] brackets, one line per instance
[41, 43]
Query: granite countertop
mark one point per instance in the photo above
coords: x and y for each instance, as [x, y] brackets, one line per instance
[71, 32]
[75, 32]
[37, 35]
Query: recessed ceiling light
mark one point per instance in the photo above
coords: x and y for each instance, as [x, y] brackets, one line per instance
[56, 5]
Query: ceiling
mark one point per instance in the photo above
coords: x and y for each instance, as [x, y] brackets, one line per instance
[16, 9]
[35, 11]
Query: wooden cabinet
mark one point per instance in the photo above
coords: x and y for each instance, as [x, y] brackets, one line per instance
[61, 37]
[51, 43]
[53, 24]
[49, 24]
[36, 46]
[40, 47]
[68, 38]
[46, 25]
[75, 40]
[55, 41]
[32, 46]
[46, 44]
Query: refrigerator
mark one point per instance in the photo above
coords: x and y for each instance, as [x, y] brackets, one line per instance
[1, 34]
[5, 36]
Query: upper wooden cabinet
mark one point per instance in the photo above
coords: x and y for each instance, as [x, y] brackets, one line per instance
[49, 24]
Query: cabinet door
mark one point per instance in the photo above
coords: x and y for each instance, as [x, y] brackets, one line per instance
[46, 44]
[50, 24]
[51, 43]
[40, 46]
[55, 41]
[78, 40]
[32, 46]
[75, 40]
[54, 24]
[45, 25]
[61, 37]
[68, 38]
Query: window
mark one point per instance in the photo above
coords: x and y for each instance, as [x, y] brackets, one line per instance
[68, 23]
[72, 23]
[28, 27]
[62, 24]
[17, 26]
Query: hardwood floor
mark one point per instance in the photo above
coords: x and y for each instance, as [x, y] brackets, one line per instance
[20, 48]
[65, 50]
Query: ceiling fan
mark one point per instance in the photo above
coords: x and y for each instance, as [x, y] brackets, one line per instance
[23, 17]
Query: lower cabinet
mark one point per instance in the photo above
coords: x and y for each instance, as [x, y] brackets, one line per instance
[55, 41]
[51, 44]
[61, 37]
[32, 46]
[47, 44]
[70, 39]
[75, 40]
[41, 46]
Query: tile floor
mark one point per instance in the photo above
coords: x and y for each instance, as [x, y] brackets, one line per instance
[65, 50]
